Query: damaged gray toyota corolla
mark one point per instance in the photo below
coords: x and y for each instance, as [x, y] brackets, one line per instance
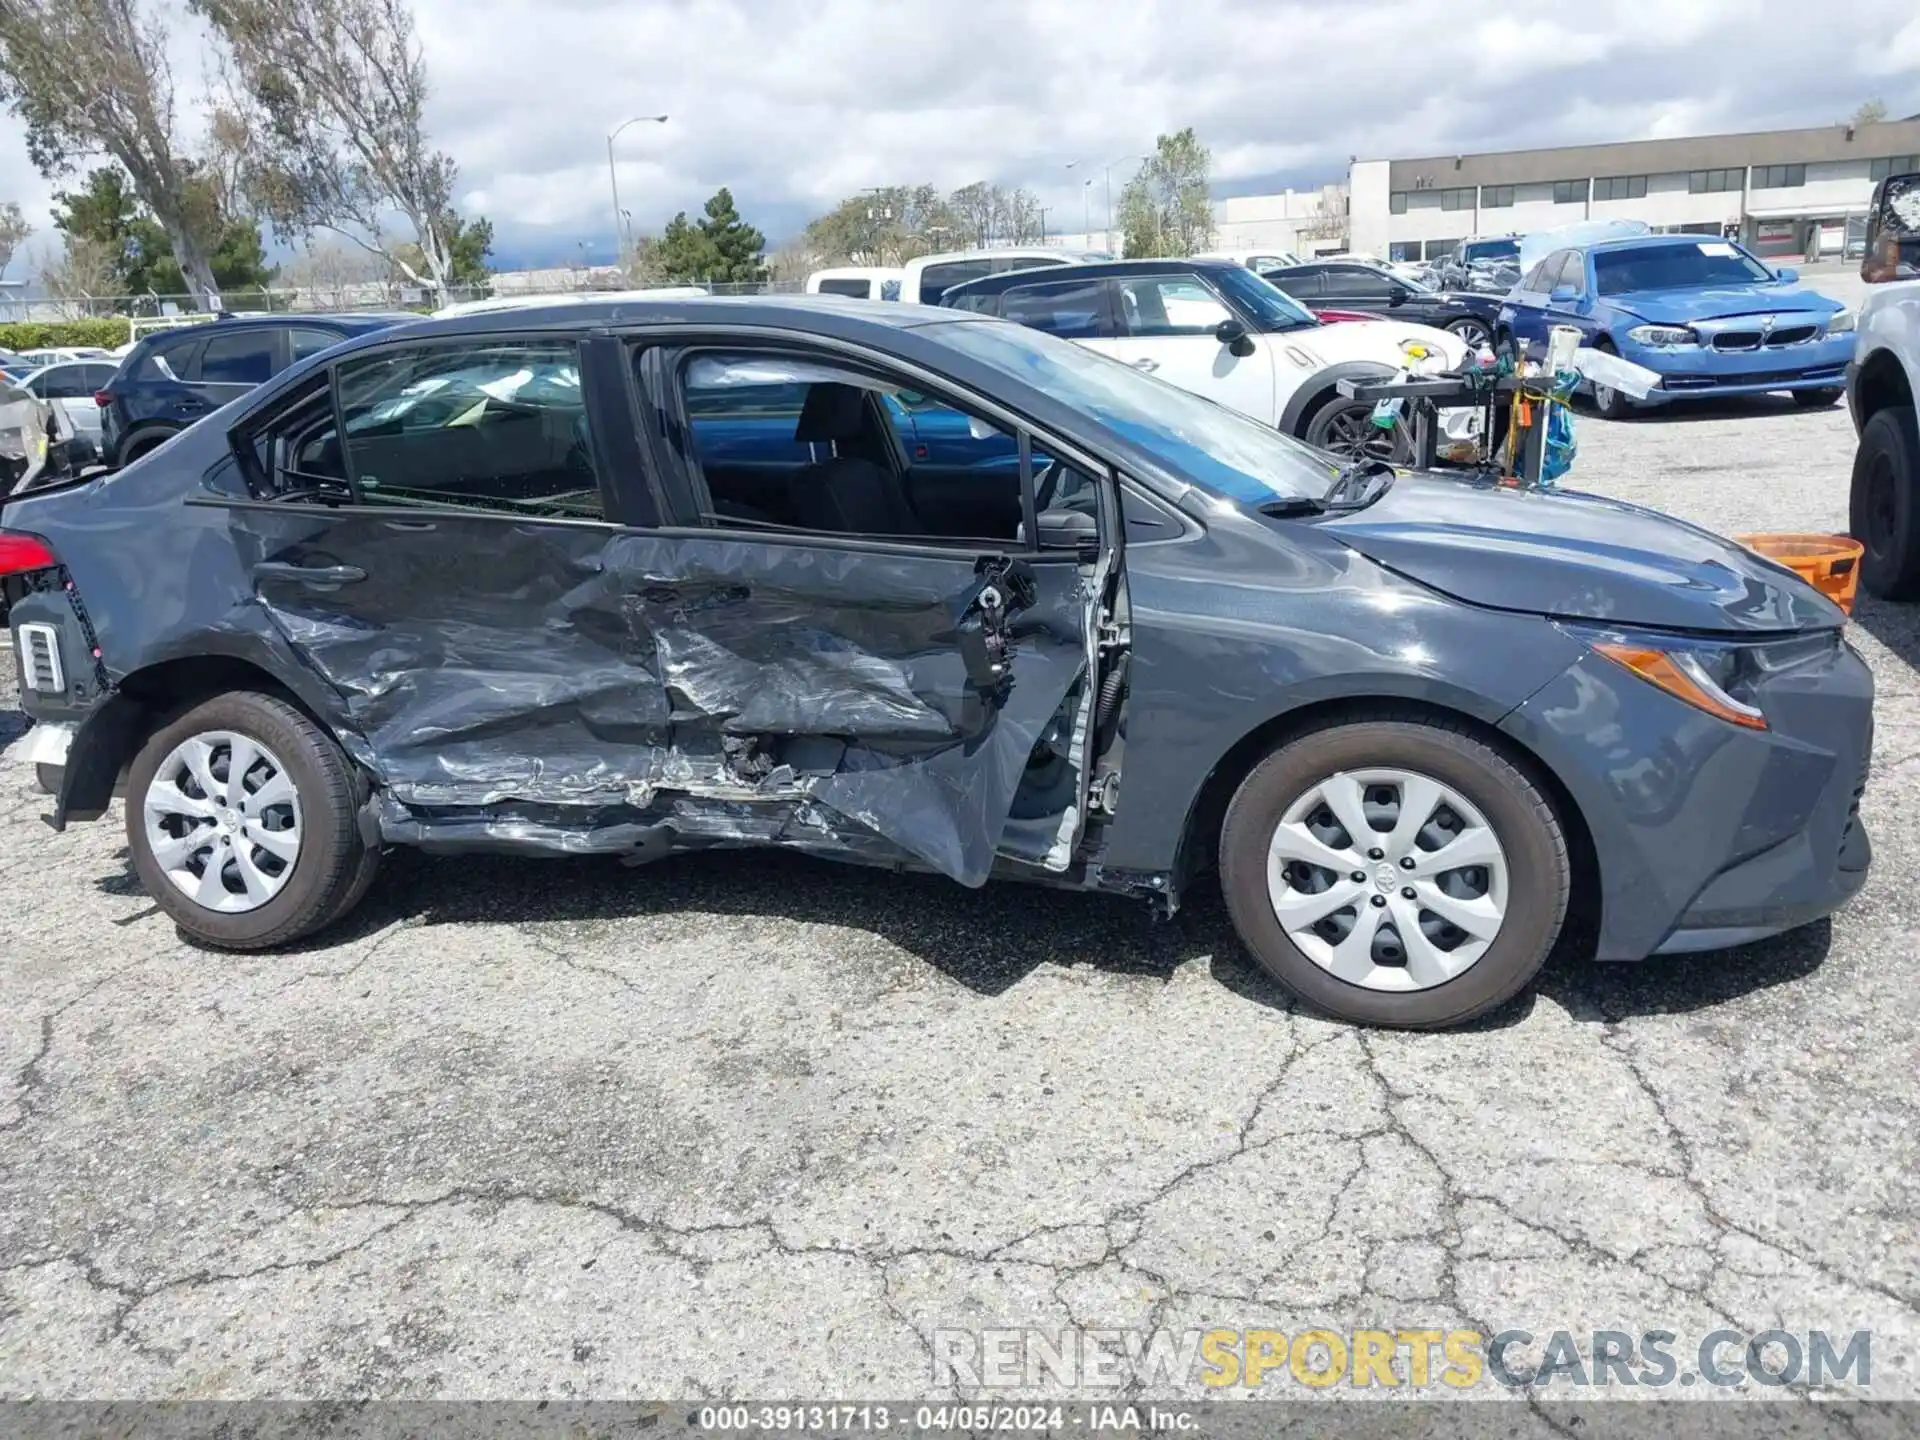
[916, 588]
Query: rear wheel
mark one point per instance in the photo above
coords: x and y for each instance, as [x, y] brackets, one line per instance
[1883, 510]
[241, 818]
[1817, 399]
[1395, 872]
[1473, 330]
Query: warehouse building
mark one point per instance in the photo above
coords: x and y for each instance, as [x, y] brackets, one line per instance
[1786, 194]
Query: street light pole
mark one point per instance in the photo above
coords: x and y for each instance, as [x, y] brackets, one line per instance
[613, 176]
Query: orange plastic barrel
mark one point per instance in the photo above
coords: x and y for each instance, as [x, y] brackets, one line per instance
[1829, 563]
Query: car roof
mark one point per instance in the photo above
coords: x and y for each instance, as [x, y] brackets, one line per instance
[355, 323]
[1096, 270]
[1648, 242]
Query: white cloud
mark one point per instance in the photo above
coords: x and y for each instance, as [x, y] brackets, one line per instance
[796, 104]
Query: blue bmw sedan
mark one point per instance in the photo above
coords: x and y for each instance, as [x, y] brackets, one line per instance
[1704, 314]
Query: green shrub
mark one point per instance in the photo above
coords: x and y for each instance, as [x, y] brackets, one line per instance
[38, 334]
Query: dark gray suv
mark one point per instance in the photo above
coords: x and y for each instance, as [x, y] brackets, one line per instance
[916, 588]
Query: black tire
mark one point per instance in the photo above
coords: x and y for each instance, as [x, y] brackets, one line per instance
[1318, 430]
[144, 444]
[1817, 399]
[1473, 330]
[1540, 872]
[1608, 403]
[333, 867]
[1883, 506]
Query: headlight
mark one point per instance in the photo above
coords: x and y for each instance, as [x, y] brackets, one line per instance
[1842, 322]
[1667, 335]
[1722, 679]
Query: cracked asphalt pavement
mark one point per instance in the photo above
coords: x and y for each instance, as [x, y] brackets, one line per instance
[748, 1125]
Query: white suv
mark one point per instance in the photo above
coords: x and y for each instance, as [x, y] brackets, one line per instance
[1882, 381]
[1219, 330]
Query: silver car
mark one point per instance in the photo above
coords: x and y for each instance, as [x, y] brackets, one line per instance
[69, 387]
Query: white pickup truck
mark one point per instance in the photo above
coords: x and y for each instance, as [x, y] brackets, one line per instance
[1882, 383]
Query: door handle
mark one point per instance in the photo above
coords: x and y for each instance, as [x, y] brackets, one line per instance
[309, 574]
[413, 525]
[1146, 364]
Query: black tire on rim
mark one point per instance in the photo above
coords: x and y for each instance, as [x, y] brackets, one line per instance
[1473, 330]
[329, 866]
[1883, 508]
[1817, 399]
[1495, 796]
[1608, 402]
[1346, 428]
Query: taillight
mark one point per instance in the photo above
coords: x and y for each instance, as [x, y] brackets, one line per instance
[22, 554]
[103, 398]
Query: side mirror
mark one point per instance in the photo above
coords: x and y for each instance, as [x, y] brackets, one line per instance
[1231, 333]
[1564, 295]
[1397, 295]
[1786, 274]
[1066, 530]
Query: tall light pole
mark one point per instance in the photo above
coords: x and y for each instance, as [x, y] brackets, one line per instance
[613, 176]
[1107, 171]
[1086, 210]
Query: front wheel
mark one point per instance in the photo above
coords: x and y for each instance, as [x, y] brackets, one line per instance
[1817, 399]
[241, 819]
[1395, 872]
[1346, 428]
[1883, 511]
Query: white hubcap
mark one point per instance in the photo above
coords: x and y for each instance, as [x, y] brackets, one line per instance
[223, 821]
[1387, 879]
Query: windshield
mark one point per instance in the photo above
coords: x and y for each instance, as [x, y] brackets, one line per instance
[1676, 267]
[1493, 250]
[1265, 301]
[1215, 448]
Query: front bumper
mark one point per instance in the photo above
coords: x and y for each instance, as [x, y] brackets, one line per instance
[1700, 370]
[1706, 834]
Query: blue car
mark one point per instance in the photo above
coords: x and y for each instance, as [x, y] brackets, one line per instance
[1703, 313]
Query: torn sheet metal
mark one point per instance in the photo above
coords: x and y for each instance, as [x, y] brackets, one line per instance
[581, 686]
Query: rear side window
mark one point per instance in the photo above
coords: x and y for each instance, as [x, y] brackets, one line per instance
[490, 425]
[1071, 309]
[65, 382]
[166, 361]
[309, 341]
[241, 357]
[936, 280]
[1307, 284]
[860, 289]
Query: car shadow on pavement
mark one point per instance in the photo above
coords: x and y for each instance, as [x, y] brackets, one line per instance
[989, 940]
[1731, 407]
[1892, 623]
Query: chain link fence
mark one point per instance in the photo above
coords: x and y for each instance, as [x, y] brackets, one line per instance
[353, 296]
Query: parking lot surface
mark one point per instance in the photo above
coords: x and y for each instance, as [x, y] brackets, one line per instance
[743, 1124]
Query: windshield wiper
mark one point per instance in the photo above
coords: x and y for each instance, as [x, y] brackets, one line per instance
[1350, 489]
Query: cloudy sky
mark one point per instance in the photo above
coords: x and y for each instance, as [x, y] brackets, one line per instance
[796, 103]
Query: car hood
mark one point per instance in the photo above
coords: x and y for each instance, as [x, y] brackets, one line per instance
[1677, 307]
[1378, 340]
[1565, 554]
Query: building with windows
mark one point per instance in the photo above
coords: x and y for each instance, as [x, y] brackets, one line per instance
[1786, 194]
